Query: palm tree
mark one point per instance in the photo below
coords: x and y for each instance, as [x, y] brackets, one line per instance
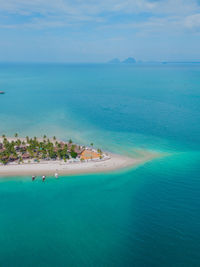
[45, 136]
[16, 135]
[99, 151]
[73, 147]
[54, 138]
[5, 141]
[92, 144]
[27, 139]
[18, 142]
[3, 136]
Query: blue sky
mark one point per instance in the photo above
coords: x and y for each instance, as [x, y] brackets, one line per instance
[99, 30]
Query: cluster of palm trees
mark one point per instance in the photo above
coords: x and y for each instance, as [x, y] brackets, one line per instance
[32, 148]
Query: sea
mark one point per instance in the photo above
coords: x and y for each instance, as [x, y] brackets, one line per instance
[144, 216]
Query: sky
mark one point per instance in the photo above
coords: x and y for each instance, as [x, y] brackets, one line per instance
[99, 30]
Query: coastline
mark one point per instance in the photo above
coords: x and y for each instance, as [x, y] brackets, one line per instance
[115, 162]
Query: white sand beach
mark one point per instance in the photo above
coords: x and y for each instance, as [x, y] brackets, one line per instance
[115, 162]
[108, 162]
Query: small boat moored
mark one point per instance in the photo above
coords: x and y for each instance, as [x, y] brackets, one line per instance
[33, 177]
[43, 178]
[2, 92]
[56, 175]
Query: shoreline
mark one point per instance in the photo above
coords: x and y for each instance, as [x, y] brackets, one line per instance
[102, 163]
[115, 162]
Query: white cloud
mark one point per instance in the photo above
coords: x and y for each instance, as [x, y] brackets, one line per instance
[75, 6]
[193, 22]
[63, 13]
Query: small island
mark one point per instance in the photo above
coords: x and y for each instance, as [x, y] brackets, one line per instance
[46, 156]
[29, 150]
[129, 60]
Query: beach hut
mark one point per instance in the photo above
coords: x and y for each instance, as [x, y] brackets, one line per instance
[79, 150]
[4, 157]
[13, 157]
[62, 145]
[26, 156]
[22, 148]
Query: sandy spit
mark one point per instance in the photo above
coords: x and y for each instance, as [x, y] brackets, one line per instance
[115, 162]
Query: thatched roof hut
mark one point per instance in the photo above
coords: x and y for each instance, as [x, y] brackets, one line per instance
[79, 150]
[4, 157]
[26, 156]
[62, 144]
[13, 157]
[20, 148]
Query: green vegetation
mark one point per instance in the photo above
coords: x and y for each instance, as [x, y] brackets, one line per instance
[99, 151]
[32, 148]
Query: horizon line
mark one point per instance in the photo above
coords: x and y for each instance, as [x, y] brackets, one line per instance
[106, 62]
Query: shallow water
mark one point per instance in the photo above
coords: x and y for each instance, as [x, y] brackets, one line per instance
[148, 216]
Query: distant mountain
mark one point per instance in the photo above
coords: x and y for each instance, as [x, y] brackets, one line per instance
[129, 60]
[114, 61]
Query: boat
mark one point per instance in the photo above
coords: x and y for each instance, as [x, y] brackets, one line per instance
[33, 177]
[2, 92]
[56, 175]
[43, 178]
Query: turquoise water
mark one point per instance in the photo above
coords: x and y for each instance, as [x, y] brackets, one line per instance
[148, 216]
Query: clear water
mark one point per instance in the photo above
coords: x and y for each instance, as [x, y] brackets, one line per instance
[147, 216]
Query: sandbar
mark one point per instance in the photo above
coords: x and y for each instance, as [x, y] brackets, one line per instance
[114, 162]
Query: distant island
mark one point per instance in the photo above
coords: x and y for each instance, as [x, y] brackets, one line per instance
[45, 156]
[129, 60]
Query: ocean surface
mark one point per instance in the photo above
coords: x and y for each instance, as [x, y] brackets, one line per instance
[146, 216]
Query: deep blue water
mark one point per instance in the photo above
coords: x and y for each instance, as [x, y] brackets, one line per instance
[148, 216]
